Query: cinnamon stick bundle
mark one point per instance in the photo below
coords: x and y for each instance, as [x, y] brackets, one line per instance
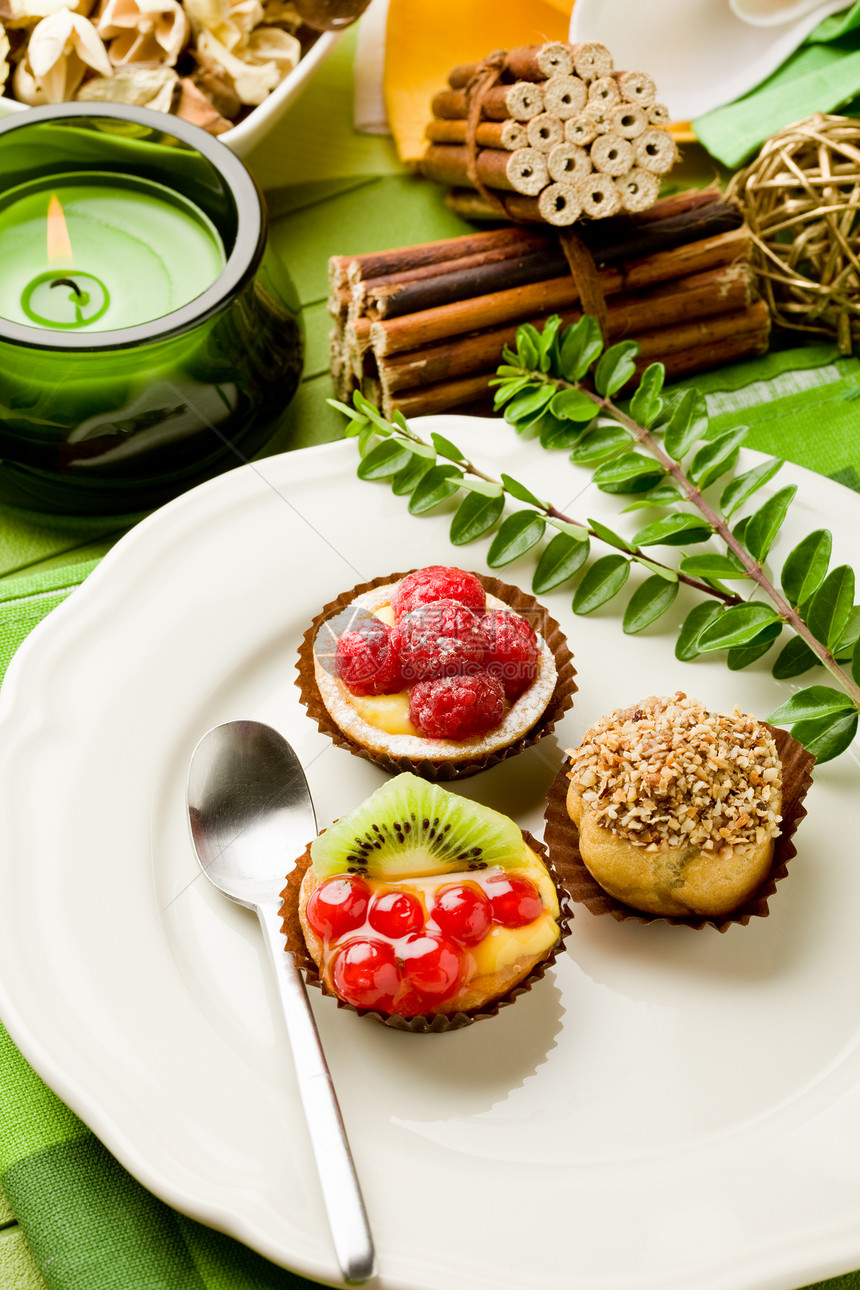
[602, 131]
[422, 329]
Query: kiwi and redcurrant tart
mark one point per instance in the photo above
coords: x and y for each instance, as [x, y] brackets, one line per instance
[438, 671]
[423, 908]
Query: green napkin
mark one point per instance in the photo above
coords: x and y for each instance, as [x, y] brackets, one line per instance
[823, 74]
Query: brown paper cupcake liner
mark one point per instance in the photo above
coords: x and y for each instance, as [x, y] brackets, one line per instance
[562, 838]
[442, 771]
[435, 1023]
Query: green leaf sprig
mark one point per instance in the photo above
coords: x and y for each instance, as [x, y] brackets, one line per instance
[559, 384]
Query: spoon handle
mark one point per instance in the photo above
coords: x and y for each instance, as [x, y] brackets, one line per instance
[343, 1201]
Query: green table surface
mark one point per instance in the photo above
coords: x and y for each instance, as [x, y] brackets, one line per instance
[332, 191]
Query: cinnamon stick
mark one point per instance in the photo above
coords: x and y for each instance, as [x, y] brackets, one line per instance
[525, 63]
[489, 134]
[375, 264]
[522, 171]
[521, 101]
[395, 335]
[682, 349]
[702, 295]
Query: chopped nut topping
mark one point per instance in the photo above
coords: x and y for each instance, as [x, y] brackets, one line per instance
[681, 774]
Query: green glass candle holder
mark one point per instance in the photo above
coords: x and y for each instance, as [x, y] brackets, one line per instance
[149, 336]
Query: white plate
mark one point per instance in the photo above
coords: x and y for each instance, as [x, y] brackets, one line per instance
[667, 1110]
[700, 52]
[247, 134]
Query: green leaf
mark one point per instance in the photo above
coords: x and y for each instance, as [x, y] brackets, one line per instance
[688, 422]
[486, 487]
[439, 482]
[716, 456]
[763, 526]
[855, 664]
[650, 599]
[527, 350]
[560, 434]
[711, 565]
[805, 567]
[674, 530]
[850, 633]
[408, 478]
[529, 403]
[547, 348]
[578, 532]
[632, 472]
[598, 444]
[384, 460]
[793, 659]
[662, 570]
[366, 437]
[741, 489]
[826, 737]
[517, 534]
[814, 701]
[615, 368]
[347, 412]
[663, 495]
[694, 624]
[446, 448]
[609, 536]
[474, 516]
[507, 390]
[581, 345]
[742, 656]
[737, 626]
[560, 559]
[520, 492]
[573, 405]
[830, 608]
[372, 413]
[646, 404]
[600, 583]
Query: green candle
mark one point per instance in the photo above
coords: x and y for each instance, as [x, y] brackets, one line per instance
[123, 251]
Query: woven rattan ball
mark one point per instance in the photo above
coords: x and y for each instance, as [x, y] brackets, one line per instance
[801, 197]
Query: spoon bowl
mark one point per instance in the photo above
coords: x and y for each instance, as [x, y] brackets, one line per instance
[251, 815]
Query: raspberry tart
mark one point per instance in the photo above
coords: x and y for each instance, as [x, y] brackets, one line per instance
[671, 811]
[423, 908]
[438, 671]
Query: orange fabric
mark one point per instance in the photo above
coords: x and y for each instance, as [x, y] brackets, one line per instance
[426, 38]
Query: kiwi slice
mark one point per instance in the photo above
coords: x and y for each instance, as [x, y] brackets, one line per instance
[412, 829]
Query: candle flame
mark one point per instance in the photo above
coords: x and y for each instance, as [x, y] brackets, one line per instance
[59, 245]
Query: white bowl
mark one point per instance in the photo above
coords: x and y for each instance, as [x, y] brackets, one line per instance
[243, 137]
[700, 52]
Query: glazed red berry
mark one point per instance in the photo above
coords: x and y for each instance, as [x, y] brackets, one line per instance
[512, 650]
[443, 639]
[432, 965]
[365, 973]
[395, 913]
[367, 658]
[338, 906]
[457, 707]
[462, 912]
[438, 582]
[515, 899]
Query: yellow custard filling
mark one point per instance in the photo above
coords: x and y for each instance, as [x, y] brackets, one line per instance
[388, 712]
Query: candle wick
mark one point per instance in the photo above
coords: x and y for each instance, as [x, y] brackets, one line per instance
[67, 282]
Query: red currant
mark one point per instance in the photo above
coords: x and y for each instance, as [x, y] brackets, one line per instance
[338, 906]
[432, 965]
[463, 912]
[365, 973]
[515, 899]
[395, 913]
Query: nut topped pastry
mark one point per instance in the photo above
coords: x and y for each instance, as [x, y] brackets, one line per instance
[678, 808]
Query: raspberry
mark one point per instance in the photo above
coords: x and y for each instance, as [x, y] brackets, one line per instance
[367, 658]
[512, 651]
[456, 707]
[442, 639]
[438, 582]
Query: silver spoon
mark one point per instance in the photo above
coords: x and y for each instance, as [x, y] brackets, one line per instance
[251, 814]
